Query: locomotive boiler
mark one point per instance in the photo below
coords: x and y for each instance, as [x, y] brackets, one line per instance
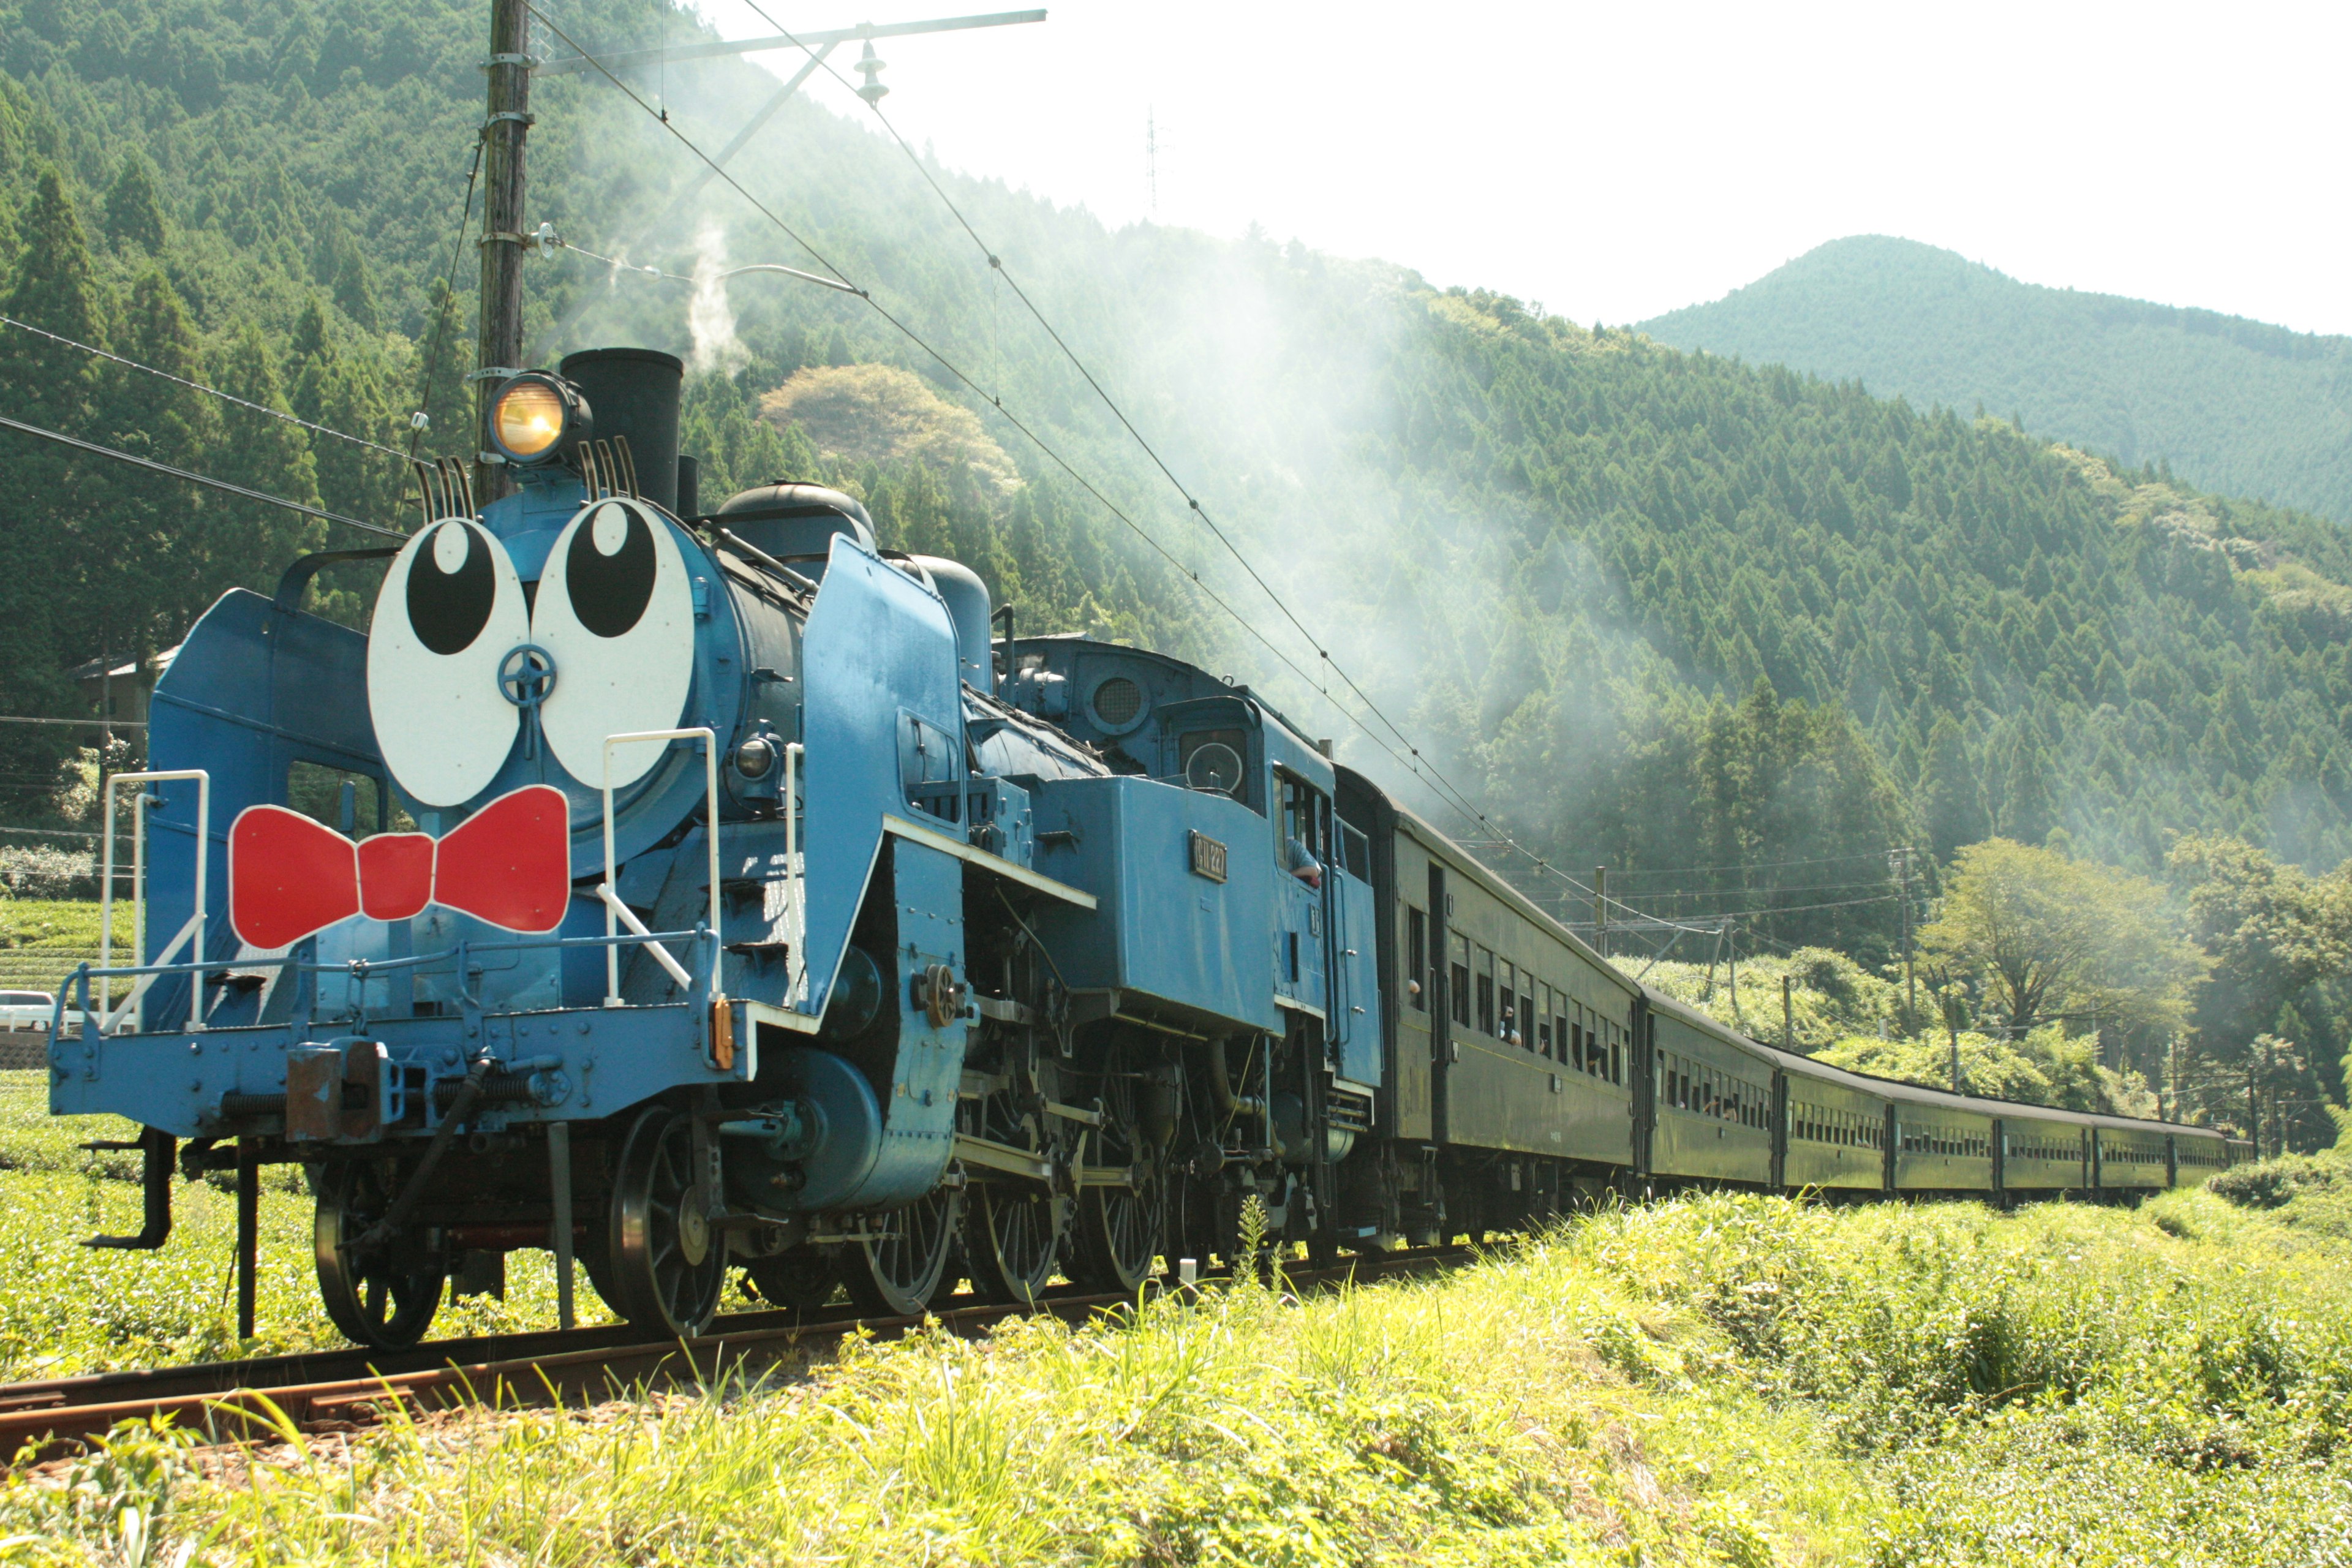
[710, 896]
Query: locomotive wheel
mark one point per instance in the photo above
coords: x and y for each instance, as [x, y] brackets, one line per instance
[798, 1279]
[898, 1275]
[1120, 1229]
[1013, 1236]
[1012, 1230]
[667, 1263]
[377, 1297]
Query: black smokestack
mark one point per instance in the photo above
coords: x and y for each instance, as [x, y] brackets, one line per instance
[634, 393]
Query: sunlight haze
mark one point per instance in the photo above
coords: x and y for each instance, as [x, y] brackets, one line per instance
[1615, 163]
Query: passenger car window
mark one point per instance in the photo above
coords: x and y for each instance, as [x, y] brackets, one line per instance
[1458, 954]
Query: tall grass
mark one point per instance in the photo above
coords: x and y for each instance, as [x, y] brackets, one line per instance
[1732, 1380]
[1725, 1380]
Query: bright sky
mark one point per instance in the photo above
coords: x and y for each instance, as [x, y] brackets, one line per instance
[1616, 160]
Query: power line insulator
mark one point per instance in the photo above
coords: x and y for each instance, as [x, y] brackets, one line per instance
[869, 66]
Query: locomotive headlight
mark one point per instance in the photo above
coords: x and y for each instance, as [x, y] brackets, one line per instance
[536, 417]
[755, 756]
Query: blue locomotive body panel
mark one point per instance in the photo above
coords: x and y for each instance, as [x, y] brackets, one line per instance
[1185, 879]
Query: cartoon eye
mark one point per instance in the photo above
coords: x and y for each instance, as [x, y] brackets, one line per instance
[450, 608]
[615, 610]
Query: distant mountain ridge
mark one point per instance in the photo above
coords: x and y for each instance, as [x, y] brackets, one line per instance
[2231, 403]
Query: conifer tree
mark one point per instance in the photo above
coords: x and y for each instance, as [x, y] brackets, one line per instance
[135, 215]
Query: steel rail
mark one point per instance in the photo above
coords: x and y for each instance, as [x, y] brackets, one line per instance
[246, 1401]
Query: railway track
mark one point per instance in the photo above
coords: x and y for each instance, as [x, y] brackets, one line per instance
[241, 1401]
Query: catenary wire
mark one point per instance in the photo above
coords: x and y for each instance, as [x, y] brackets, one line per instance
[393, 452]
[1453, 798]
[1751, 865]
[614, 262]
[1038, 440]
[448, 300]
[1434, 776]
[196, 479]
[1444, 786]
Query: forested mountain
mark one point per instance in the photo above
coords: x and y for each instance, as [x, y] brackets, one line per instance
[2228, 403]
[1732, 631]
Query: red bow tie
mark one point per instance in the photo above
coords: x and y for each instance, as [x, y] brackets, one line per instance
[509, 864]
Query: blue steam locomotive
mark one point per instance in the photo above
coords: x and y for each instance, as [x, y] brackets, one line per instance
[694, 893]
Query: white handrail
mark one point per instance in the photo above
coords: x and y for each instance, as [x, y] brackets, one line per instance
[629, 916]
[108, 1018]
[193, 932]
[612, 901]
[796, 916]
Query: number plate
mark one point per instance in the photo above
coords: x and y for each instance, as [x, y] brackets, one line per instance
[1208, 858]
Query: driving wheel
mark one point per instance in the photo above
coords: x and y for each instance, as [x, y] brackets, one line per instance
[378, 1296]
[797, 1279]
[1013, 1225]
[897, 1273]
[1119, 1228]
[667, 1265]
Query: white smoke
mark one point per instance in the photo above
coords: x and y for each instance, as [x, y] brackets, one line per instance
[710, 318]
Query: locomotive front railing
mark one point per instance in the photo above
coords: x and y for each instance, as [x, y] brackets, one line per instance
[616, 912]
[191, 935]
[362, 968]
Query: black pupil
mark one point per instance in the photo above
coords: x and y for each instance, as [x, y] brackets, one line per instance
[449, 609]
[609, 593]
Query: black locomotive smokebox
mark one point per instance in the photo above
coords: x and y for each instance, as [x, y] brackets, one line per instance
[634, 392]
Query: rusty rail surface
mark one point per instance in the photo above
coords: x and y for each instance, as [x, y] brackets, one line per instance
[245, 1401]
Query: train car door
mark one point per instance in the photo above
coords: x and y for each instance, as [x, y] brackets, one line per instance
[1355, 1030]
[1302, 849]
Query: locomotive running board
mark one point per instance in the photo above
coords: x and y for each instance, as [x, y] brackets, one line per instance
[947, 844]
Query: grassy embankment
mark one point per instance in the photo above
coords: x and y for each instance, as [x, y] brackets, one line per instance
[41, 940]
[1728, 1380]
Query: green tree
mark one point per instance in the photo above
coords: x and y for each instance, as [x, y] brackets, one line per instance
[1951, 801]
[2046, 934]
[134, 216]
[41, 565]
[2271, 931]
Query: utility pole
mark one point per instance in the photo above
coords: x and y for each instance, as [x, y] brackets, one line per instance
[1788, 1018]
[1736, 1021]
[1899, 861]
[508, 122]
[1151, 156]
[1601, 911]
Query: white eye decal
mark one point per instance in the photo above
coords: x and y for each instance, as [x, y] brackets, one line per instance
[450, 609]
[616, 610]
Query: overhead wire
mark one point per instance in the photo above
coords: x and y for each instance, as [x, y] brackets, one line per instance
[1443, 786]
[418, 420]
[1750, 865]
[1411, 759]
[841, 281]
[196, 478]
[393, 452]
[558, 242]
